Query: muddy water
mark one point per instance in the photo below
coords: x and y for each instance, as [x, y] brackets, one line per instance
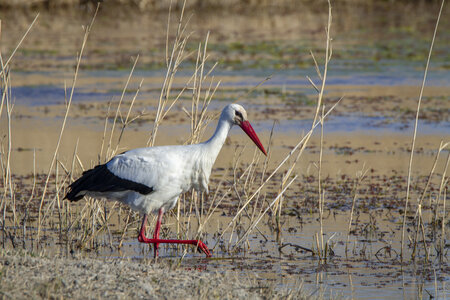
[370, 266]
[377, 65]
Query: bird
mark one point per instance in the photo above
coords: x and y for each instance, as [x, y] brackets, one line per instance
[151, 179]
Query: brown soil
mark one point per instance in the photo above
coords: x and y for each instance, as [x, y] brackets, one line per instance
[38, 128]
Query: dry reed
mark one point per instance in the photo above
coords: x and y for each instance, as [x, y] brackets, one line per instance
[87, 30]
[413, 142]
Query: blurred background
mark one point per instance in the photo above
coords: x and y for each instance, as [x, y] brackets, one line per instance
[274, 35]
[379, 50]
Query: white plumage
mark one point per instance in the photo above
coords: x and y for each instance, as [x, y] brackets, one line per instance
[151, 179]
[169, 170]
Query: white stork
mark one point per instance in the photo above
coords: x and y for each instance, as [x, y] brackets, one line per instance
[151, 179]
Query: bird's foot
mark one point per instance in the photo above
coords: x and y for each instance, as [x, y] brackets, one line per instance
[201, 247]
[143, 239]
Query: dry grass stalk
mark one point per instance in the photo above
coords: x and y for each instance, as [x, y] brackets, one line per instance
[110, 150]
[5, 65]
[413, 142]
[420, 225]
[7, 177]
[100, 155]
[199, 119]
[275, 171]
[8, 197]
[328, 53]
[255, 223]
[127, 120]
[7, 200]
[173, 62]
[80, 55]
[442, 191]
[360, 175]
[321, 193]
[247, 187]
[216, 200]
[443, 239]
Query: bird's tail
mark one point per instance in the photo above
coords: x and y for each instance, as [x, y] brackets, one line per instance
[101, 180]
[79, 187]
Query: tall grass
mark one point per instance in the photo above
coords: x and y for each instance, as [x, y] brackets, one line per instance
[8, 195]
[68, 101]
[173, 61]
[414, 137]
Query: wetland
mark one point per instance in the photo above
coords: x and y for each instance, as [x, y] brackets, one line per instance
[265, 243]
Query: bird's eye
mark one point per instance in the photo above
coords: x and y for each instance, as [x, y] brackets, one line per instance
[239, 115]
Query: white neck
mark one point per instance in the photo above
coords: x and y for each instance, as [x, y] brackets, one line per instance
[215, 143]
[204, 155]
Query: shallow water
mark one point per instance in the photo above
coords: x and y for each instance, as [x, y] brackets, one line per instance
[372, 265]
[361, 124]
[99, 86]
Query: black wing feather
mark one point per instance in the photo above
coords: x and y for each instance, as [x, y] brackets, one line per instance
[101, 179]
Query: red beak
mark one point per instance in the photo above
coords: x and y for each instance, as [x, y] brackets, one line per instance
[248, 129]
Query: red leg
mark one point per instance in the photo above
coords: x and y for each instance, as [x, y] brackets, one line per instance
[157, 228]
[141, 238]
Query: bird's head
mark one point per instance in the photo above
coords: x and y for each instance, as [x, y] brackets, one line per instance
[237, 115]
